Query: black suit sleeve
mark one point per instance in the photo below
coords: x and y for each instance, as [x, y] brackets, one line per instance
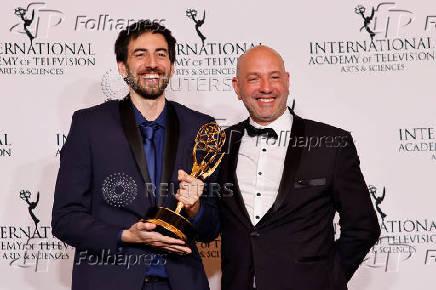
[72, 221]
[358, 220]
[208, 225]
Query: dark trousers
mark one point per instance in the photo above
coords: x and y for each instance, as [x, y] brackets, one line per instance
[156, 286]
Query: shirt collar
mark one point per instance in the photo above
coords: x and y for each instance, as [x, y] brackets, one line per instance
[282, 123]
[161, 120]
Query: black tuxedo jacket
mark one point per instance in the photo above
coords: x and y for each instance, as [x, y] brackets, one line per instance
[293, 246]
[101, 190]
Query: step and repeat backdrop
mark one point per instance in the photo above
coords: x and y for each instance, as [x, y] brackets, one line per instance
[365, 66]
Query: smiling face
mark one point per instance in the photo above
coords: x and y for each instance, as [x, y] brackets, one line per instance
[148, 67]
[262, 84]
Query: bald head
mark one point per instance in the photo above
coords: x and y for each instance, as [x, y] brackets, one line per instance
[262, 83]
[257, 52]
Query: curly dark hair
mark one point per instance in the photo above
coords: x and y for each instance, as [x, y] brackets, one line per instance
[137, 29]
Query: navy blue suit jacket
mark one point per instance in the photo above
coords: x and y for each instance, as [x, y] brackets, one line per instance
[101, 190]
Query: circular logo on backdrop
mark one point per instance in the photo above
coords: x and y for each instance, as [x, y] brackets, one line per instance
[113, 85]
[119, 189]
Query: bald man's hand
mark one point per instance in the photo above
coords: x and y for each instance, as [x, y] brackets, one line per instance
[189, 192]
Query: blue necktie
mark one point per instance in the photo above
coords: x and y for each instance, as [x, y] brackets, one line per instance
[147, 130]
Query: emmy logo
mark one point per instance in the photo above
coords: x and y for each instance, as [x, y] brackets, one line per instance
[25, 195]
[206, 156]
[192, 14]
[36, 20]
[378, 200]
[24, 260]
[366, 20]
[27, 22]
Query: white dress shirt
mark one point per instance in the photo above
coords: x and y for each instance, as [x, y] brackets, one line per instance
[260, 166]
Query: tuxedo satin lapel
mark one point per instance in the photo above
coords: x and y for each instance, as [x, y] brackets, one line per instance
[170, 151]
[236, 201]
[292, 162]
[133, 135]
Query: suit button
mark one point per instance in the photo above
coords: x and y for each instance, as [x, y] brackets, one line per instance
[254, 234]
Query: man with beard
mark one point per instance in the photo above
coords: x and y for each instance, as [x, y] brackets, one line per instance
[289, 177]
[122, 158]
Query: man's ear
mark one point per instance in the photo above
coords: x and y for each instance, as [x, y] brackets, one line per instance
[122, 69]
[287, 79]
[235, 87]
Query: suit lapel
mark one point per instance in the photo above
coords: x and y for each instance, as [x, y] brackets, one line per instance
[292, 162]
[236, 201]
[170, 150]
[131, 130]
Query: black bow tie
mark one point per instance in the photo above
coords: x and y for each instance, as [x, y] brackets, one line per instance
[253, 131]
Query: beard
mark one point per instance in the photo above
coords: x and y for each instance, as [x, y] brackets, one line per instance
[148, 93]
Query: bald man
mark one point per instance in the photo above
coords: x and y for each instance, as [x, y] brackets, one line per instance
[286, 177]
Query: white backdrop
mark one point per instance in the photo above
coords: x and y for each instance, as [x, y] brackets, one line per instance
[383, 93]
